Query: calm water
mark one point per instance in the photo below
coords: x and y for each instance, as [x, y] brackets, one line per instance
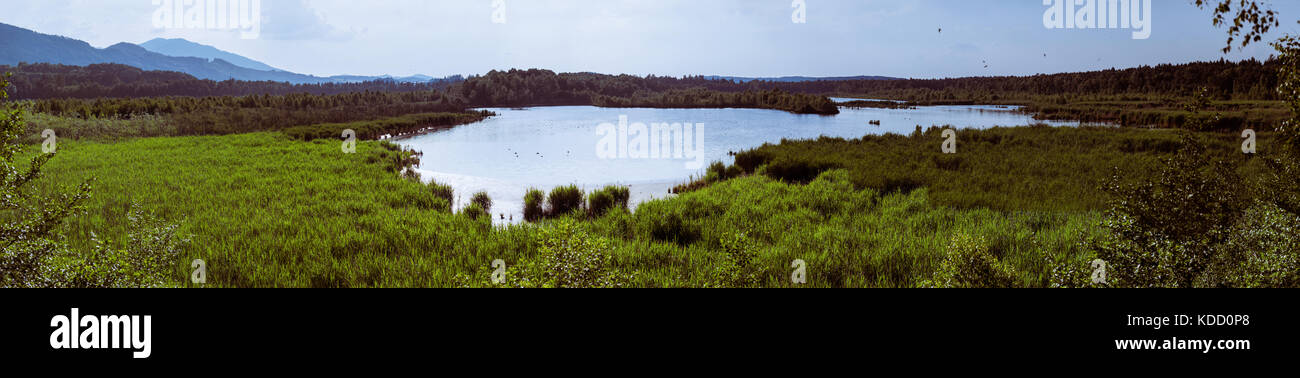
[547, 147]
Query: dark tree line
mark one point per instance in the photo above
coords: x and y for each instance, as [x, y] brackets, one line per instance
[425, 101]
[1246, 80]
[1250, 79]
[121, 92]
[50, 81]
[518, 88]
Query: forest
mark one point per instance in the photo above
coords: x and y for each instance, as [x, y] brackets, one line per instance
[1236, 94]
[521, 88]
[228, 115]
[50, 81]
[1245, 80]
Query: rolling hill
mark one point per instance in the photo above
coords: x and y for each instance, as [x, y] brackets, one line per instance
[178, 47]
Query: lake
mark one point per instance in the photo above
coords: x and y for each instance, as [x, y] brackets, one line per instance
[545, 147]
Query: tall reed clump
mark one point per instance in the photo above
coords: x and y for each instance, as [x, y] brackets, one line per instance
[611, 197]
[444, 192]
[534, 204]
[565, 200]
[475, 211]
[483, 201]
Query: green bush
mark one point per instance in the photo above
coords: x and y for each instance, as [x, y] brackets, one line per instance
[474, 211]
[573, 259]
[27, 220]
[599, 202]
[737, 266]
[445, 192]
[1166, 231]
[533, 205]
[483, 201]
[719, 171]
[667, 224]
[611, 197]
[797, 171]
[749, 161]
[969, 264]
[565, 200]
[1262, 251]
[148, 257]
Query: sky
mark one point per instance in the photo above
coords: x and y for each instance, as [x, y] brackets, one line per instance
[751, 38]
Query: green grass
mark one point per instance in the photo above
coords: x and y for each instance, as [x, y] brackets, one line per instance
[1168, 113]
[847, 237]
[265, 210]
[1005, 169]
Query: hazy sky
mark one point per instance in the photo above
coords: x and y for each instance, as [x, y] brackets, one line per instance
[667, 37]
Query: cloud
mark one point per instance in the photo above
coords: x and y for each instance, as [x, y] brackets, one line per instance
[296, 20]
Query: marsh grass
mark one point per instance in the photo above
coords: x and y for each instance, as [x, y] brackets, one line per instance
[265, 210]
[1007, 169]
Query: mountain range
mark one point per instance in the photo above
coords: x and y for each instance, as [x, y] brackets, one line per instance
[18, 45]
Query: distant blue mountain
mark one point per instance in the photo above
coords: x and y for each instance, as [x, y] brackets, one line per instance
[178, 47]
[798, 79]
[407, 79]
[18, 45]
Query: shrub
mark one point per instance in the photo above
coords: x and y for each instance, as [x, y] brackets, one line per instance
[533, 202]
[445, 192]
[1263, 250]
[599, 202]
[573, 259]
[749, 161]
[797, 171]
[611, 197]
[411, 175]
[1165, 232]
[483, 201]
[565, 200]
[970, 265]
[28, 220]
[148, 258]
[667, 225]
[568, 257]
[474, 211]
[720, 172]
[622, 195]
[736, 267]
